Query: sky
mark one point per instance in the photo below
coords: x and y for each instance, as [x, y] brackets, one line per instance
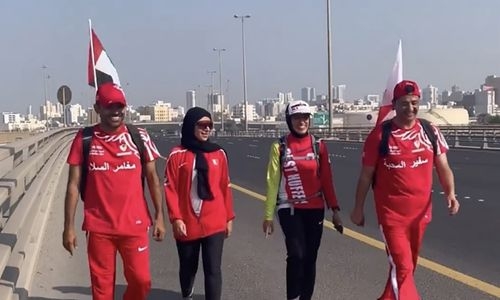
[163, 48]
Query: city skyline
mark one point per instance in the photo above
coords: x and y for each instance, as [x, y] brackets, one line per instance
[161, 50]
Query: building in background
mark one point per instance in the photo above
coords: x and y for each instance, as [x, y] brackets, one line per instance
[485, 102]
[308, 94]
[16, 122]
[339, 93]
[51, 110]
[430, 96]
[372, 99]
[190, 99]
[75, 114]
[238, 112]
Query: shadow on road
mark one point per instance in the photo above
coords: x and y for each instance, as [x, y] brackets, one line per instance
[156, 294]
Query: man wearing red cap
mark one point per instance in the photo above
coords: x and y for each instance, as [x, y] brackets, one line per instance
[116, 216]
[402, 186]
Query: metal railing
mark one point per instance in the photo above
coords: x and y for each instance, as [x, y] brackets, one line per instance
[469, 137]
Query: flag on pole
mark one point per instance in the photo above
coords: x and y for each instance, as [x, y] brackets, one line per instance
[385, 110]
[100, 65]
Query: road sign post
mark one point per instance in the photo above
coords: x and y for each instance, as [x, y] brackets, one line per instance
[64, 97]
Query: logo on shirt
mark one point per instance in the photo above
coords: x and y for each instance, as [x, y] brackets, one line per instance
[96, 150]
[215, 161]
[394, 150]
[123, 148]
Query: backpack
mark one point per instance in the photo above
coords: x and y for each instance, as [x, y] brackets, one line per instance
[88, 133]
[283, 147]
[386, 132]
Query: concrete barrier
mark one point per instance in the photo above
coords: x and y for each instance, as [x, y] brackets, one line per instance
[25, 195]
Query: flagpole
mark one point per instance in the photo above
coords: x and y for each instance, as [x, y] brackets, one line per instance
[92, 54]
[396, 76]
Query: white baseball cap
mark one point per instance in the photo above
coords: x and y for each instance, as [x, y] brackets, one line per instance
[297, 107]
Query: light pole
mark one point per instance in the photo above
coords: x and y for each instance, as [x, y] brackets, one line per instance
[219, 50]
[243, 17]
[330, 100]
[210, 98]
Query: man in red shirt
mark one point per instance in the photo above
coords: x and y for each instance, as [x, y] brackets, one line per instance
[116, 216]
[402, 187]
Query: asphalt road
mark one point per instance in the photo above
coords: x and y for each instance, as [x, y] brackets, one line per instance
[466, 242]
[348, 268]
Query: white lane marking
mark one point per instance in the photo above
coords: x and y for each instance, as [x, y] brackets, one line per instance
[480, 200]
[350, 148]
[466, 197]
[252, 145]
[441, 193]
[253, 156]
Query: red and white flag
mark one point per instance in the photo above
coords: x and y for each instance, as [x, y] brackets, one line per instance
[100, 65]
[385, 110]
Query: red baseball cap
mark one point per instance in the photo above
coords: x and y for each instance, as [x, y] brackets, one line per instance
[406, 87]
[109, 93]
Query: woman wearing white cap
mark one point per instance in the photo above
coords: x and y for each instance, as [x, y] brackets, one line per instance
[299, 186]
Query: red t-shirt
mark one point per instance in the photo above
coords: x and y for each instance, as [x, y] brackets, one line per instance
[404, 177]
[299, 175]
[114, 199]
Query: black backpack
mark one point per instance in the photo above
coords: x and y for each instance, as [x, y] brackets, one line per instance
[88, 133]
[386, 132]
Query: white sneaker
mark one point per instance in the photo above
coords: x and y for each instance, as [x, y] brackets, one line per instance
[190, 297]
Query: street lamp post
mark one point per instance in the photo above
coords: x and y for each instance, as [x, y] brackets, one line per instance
[243, 17]
[330, 86]
[210, 98]
[219, 50]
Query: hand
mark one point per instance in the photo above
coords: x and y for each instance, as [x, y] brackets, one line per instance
[69, 240]
[179, 228]
[453, 205]
[358, 217]
[229, 228]
[337, 222]
[268, 227]
[159, 230]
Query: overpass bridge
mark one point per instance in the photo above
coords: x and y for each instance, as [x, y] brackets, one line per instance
[459, 255]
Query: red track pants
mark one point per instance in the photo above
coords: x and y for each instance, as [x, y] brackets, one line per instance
[134, 251]
[402, 244]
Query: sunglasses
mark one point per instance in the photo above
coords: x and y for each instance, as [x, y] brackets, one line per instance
[205, 124]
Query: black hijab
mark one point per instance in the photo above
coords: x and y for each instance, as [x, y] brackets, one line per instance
[190, 142]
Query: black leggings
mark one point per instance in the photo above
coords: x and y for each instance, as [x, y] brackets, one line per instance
[302, 232]
[211, 252]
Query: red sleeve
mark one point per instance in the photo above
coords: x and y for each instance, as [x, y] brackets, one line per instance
[327, 177]
[371, 147]
[152, 152]
[226, 188]
[75, 157]
[442, 145]
[170, 184]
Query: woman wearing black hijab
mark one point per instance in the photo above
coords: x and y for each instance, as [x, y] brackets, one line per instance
[199, 203]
